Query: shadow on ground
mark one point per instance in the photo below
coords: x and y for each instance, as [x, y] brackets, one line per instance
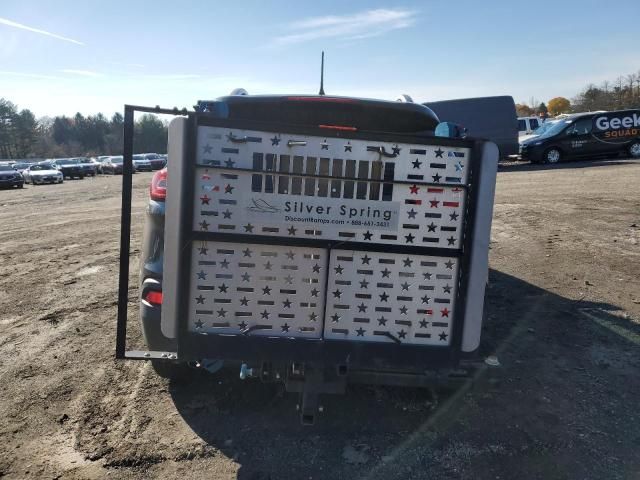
[521, 166]
[514, 421]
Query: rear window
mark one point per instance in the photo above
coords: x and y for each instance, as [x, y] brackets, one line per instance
[362, 114]
[522, 126]
[534, 123]
[41, 166]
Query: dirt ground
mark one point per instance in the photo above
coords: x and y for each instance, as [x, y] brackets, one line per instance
[563, 318]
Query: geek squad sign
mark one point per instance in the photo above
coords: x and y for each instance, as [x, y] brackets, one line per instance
[620, 127]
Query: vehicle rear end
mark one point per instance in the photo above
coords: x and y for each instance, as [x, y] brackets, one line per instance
[10, 178]
[316, 241]
[87, 167]
[141, 163]
[70, 169]
[157, 162]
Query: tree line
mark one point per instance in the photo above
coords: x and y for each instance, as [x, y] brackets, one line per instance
[24, 136]
[621, 94]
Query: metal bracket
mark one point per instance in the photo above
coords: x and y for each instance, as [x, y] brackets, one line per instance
[310, 381]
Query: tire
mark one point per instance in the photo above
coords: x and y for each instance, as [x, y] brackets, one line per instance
[21, 185]
[634, 149]
[552, 156]
[171, 370]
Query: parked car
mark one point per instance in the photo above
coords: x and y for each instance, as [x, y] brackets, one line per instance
[526, 125]
[69, 167]
[10, 177]
[114, 165]
[99, 160]
[586, 135]
[20, 166]
[141, 163]
[157, 161]
[88, 166]
[41, 173]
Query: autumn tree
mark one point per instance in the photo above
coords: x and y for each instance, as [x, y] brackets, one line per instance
[558, 105]
[523, 110]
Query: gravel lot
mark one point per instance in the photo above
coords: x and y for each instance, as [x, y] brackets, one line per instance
[563, 318]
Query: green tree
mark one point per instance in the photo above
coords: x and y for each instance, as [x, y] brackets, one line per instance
[542, 109]
[8, 113]
[150, 135]
[62, 130]
[25, 134]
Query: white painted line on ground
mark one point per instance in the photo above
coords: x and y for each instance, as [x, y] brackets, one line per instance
[617, 329]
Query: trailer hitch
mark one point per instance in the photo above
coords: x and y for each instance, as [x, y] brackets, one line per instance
[310, 381]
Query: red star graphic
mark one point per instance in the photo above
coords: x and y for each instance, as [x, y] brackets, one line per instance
[206, 177]
[414, 189]
[434, 203]
[204, 199]
[445, 312]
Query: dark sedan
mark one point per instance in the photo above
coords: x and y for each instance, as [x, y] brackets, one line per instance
[70, 167]
[157, 161]
[10, 178]
[114, 165]
[88, 167]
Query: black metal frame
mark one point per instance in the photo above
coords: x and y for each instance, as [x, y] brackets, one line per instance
[125, 227]
[317, 351]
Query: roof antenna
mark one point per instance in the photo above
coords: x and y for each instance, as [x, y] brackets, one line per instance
[322, 75]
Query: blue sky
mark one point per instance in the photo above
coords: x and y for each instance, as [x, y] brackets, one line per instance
[60, 57]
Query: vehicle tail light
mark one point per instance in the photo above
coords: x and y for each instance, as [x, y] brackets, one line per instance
[154, 297]
[343, 128]
[158, 188]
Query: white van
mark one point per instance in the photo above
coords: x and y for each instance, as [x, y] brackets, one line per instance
[526, 125]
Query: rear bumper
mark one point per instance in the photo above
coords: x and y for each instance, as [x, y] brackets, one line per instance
[44, 180]
[76, 173]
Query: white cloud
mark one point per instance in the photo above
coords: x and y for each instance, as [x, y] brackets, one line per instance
[10, 23]
[28, 75]
[82, 73]
[369, 23]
